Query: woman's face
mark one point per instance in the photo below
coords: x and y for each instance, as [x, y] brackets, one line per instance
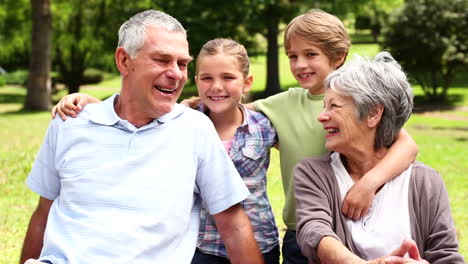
[340, 119]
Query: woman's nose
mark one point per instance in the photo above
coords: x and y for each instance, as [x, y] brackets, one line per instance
[322, 117]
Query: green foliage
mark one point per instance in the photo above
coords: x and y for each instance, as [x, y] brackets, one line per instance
[19, 77]
[2, 80]
[430, 39]
[15, 33]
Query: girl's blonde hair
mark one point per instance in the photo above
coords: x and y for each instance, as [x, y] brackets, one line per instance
[229, 47]
[320, 29]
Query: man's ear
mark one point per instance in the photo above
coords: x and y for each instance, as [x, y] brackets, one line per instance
[247, 84]
[122, 61]
[375, 115]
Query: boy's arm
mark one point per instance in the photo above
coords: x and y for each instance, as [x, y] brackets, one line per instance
[398, 158]
[250, 106]
[72, 104]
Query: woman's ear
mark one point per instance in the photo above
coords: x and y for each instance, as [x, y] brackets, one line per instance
[375, 115]
[247, 84]
[122, 61]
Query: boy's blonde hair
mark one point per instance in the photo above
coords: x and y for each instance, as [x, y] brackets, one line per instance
[229, 47]
[320, 29]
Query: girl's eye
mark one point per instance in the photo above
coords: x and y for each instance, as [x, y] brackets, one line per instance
[292, 56]
[311, 54]
[205, 78]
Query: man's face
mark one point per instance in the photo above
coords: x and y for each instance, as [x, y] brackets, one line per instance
[157, 75]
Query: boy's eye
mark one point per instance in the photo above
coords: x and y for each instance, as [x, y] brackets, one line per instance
[205, 78]
[292, 56]
[311, 54]
[229, 77]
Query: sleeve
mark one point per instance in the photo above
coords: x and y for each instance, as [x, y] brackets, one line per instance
[272, 104]
[43, 178]
[218, 181]
[313, 208]
[440, 244]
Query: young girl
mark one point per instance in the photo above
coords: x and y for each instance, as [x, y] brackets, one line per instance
[222, 78]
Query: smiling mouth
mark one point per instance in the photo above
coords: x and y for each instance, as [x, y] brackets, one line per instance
[332, 130]
[165, 90]
[217, 98]
[305, 75]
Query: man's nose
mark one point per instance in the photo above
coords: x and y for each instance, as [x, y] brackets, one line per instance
[174, 72]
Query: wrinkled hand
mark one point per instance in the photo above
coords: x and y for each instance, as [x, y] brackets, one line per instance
[410, 247]
[69, 105]
[191, 102]
[358, 200]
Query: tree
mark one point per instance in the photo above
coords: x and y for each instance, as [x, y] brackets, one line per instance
[38, 96]
[15, 34]
[430, 39]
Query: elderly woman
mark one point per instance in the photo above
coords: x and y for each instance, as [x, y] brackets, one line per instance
[366, 104]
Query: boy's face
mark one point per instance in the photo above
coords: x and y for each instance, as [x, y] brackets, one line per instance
[309, 65]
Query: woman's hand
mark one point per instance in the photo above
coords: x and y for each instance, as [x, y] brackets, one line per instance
[358, 200]
[410, 247]
[72, 104]
[191, 102]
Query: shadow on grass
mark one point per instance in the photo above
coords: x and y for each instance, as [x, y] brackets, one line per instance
[423, 104]
[11, 98]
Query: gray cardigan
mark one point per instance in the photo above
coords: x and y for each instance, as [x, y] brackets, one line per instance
[318, 211]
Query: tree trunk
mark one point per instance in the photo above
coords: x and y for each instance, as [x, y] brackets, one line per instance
[39, 83]
[273, 83]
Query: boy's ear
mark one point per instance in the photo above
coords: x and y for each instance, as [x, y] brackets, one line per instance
[196, 80]
[375, 115]
[247, 84]
[339, 62]
[122, 61]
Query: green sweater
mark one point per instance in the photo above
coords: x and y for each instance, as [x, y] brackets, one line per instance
[294, 113]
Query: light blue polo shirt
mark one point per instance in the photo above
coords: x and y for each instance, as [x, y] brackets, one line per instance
[130, 195]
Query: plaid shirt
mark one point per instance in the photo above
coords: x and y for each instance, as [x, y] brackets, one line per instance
[250, 153]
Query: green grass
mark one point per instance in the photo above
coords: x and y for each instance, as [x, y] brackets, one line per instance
[442, 138]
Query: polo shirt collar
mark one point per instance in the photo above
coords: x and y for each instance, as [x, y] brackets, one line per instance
[104, 113]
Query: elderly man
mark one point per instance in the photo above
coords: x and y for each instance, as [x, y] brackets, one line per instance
[122, 182]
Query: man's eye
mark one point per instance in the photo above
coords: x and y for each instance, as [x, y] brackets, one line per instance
[160, 60]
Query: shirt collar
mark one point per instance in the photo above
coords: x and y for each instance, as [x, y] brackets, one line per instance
[104, 113]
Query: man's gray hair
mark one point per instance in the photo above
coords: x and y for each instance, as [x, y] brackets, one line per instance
[132, 33]
[370, 83]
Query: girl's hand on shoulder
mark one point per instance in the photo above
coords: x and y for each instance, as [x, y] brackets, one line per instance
[191, 102]
[358, 200]
[72, 104]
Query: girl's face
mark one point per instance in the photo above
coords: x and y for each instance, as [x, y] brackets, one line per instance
[309, 65]
[220, 82]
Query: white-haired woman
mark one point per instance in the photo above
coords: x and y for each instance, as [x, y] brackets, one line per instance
[366, 103]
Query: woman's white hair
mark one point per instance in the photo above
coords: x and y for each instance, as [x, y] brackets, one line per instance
[370, 83]
[132, 33]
